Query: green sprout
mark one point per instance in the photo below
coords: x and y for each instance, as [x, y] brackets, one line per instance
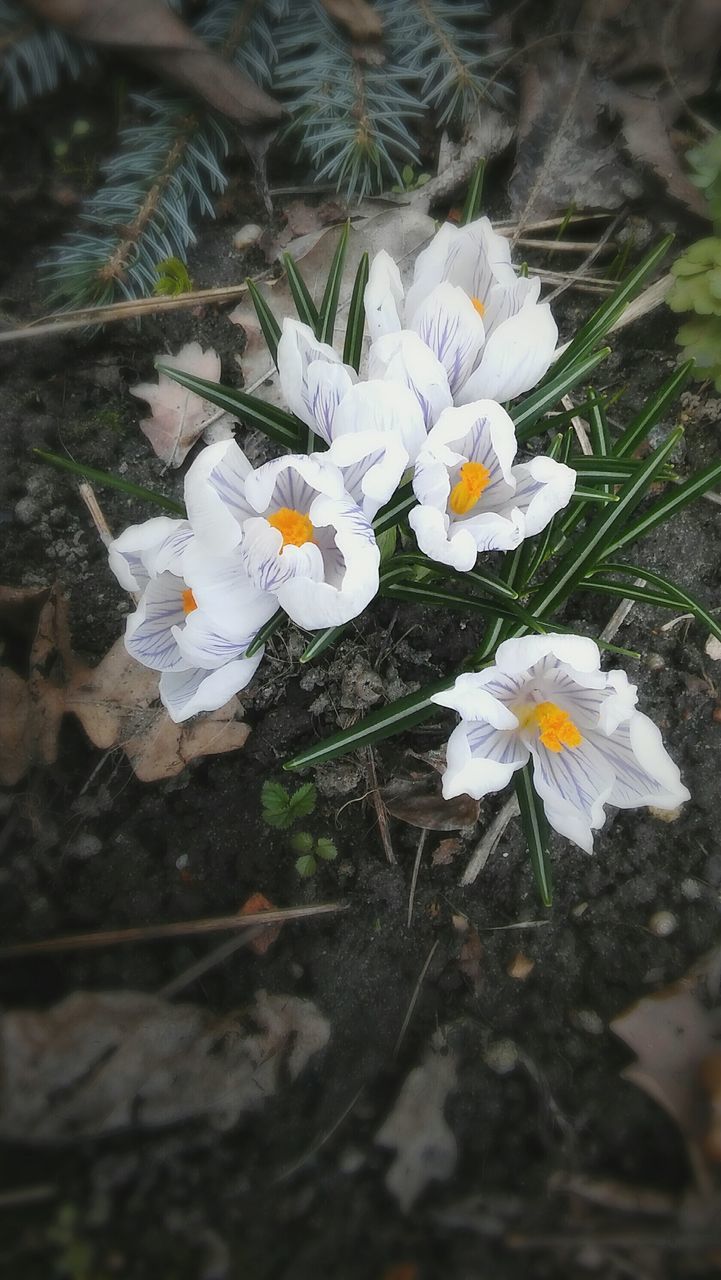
[173, 278]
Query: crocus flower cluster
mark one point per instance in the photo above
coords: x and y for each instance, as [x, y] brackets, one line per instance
[297, 533]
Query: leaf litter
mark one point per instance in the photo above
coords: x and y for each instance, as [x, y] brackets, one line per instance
[105, 1061]
[116, 702]
[180, 417]
[416, 1128]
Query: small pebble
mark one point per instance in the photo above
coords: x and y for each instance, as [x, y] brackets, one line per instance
[691, 889]
[665, 815]
[663, 924]
[182, 862]
[520, 967]
[248, 235]
[86, 846]
[501, 1057]
[588, 1020]
[27, 511]
[655, 662]
[579, 910]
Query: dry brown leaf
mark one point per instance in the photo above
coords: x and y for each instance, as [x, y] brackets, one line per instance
[645, 130]
[471, 953]
[179, 417]
[150, 33]
[100, 1062]
[401, 232]
[420, 803]
[416, 1128]
[116, 703]
[672, 1035]
[258, 902]
[447, 850]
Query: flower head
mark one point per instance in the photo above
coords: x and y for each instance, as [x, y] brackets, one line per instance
[472, 497]
[482, 322]
[296, 529]
[546, 699]
[195, 617]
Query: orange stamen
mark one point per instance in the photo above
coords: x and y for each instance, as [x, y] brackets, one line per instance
[295, 527]
[189, 602]
[465, 495]
[557, 729]
[479, 306]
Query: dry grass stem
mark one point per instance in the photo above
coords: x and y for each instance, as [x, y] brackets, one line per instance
[579, 427]
[414, 877]
[489, 840]
[378, 805]
[414, 999]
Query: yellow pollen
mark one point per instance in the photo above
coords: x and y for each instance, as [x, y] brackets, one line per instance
[480, 306]
[557, 729]
[295, 527]
[465, 495]
[189, 601]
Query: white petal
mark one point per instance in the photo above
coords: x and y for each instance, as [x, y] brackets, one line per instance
[474, 257]
[224, 592]
[269, 564]
[504, 301]
[149, 631]
[449, 324]
[132, 553]
[203, 644]
[383, 296]
[327, 385]
[645, 772]
[372, 464]
[298, 351]
[579, 652]
[516, 356]
[430, 267]
[481, 760]
[472, 699]
[431, 528]
[215, 496]
[574, 786]
[478, 432]
[292, 481]
[543, 487]
[186, 693]
[375, 405]
[354, 580]
[403, 357]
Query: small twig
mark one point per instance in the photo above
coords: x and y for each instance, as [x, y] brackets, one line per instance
[414, 877]
[489, 840]
[378, 805]
[204, 965]
[414, 999]
[178, 929]
[593, 247]
[577, 277]
[579, 427]
[318, 1146]
[619, 616]
[87, 494]
[27, 1195]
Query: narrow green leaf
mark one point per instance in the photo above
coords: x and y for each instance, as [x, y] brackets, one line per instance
[472, 205]
[395, 510]
[304, 304]
[275, 423]
[613, 470]
[329, 303]
[535, 829]
[266, 631]
[583, 493]
[653, 411]
[489, 582]
[353, 345]
[629, 591]
[513, 565]
[671, 590]
[321, 641]
[269, 326]
[613, 308]
[585, 550]
[109, 481]
[384, 723]
[598, 425]
[667, 506]
[558, 382]
[426, 594]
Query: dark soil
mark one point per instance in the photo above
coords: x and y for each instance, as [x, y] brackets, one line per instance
[298, 1189]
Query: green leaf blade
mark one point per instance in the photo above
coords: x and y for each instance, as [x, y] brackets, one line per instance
[279, 426]
[536, 831]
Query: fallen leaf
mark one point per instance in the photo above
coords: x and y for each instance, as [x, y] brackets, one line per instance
[101, 1062]
[179, 417]
[401, 232]
[258, 902]
[672, 1034]
[646, 133]
[471, 952]
[416, 1128]
[420, 803]
[520, 967]
[447, 850]
[713, 649]
[151, 33]
[116, 703]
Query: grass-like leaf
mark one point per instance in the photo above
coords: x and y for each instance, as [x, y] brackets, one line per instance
[472, 205]
[427, 594]
[322, 641]
[353, 345]
[395, 510]
[558, 382]
[304, 304]
[109, 481]
[329, 302]
[653, 411]
[673, 595]
[667, 506]
[598, 424]
[535, 829]
[269, 326]
[275, 423]
[268, 629]
[612, 308]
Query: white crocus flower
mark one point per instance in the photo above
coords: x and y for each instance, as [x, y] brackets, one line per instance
[546, 699]
[298, 531]
[312, 376]
[472, 497]
[195, 617]
[482, 322]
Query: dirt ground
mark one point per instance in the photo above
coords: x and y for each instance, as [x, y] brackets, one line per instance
[297, 1189]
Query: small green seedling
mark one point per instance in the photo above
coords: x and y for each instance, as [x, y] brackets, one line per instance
[281, 809]
[410, 180]
[311, 851]
[173, 278]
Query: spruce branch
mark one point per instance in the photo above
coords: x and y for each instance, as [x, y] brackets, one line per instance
[34, 57]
